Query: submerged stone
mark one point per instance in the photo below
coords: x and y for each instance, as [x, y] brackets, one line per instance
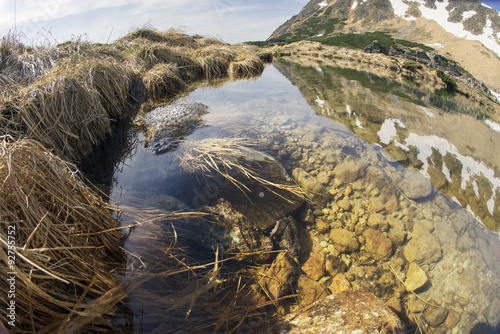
[342, 312]
[416, 186]
[166, 125]
[344, 241]
[415, 278]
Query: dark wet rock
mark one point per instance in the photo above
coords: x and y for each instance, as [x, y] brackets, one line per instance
[350, 171]
[342, 312]
[231, 231]
[166, 125]
[436, 316]
[285, 235]
[416, 186]
[377, 244]
[344, 240]
[334, 265]
[280, 277]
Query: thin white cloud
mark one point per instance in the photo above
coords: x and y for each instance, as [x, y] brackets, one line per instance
[231, 20]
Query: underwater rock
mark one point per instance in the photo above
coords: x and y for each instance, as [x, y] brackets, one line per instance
[342, 312]
[416, 186]
[424, 249]
[344, 240]
[436, 316]
[167, 125]
[340, 283]
[280, 277]
[415, 278]
[350, 171]
[315, 266]
[377, 244]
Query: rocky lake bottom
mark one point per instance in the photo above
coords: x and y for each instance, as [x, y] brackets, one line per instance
[370, 224]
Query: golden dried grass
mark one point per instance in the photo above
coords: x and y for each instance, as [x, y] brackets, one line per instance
[70, 108]
[64, 236]
[212, 67]
[163, 82]
[223, 155]
[249, 67]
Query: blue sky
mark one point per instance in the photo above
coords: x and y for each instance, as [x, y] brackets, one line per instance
[233, 21]
[106, 20]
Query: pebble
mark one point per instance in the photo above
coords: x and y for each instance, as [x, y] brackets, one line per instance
[415, 277]
[340, 283]
[378, 244]
[315, 266]
[344, 241]
[436, 316]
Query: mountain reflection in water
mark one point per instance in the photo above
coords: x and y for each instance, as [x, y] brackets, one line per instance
[362, 192]
[439, 135]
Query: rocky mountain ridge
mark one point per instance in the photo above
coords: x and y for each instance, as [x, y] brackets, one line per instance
[466, 31]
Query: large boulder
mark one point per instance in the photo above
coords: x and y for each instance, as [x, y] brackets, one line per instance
[376, 47]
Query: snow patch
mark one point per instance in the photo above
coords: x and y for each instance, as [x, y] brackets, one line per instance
[322, 4]
[493, 125]
[496, 95]
[320, 102]
[388, 130]
[428, 112]
[436, 45]
[446, 173]
[491, 205]
[358, 123]
[441, 16]
[470, 167]
[348, 108]
[468, 14]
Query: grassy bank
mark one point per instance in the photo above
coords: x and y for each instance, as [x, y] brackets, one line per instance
[56, 104]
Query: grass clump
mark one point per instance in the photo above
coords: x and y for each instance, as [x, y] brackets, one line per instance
[70, 108]
[412, 65]
[450, 83]
[246, 68]
[64, 238]
[163, 81]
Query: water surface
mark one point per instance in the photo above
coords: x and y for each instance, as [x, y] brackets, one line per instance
[315, 119]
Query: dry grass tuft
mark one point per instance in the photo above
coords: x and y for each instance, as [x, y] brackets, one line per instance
[250, 67]
[213, 67]
[171, 37]
[62, 238]
[70, 108]
[225, 52]
[163, 82]
[226, 155]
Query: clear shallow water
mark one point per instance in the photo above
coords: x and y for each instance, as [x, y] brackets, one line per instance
[439, 135]
[458, 254]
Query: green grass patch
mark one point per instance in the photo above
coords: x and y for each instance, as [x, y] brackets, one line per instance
[447, 79]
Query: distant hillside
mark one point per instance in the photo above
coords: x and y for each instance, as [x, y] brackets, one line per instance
[466, 31]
